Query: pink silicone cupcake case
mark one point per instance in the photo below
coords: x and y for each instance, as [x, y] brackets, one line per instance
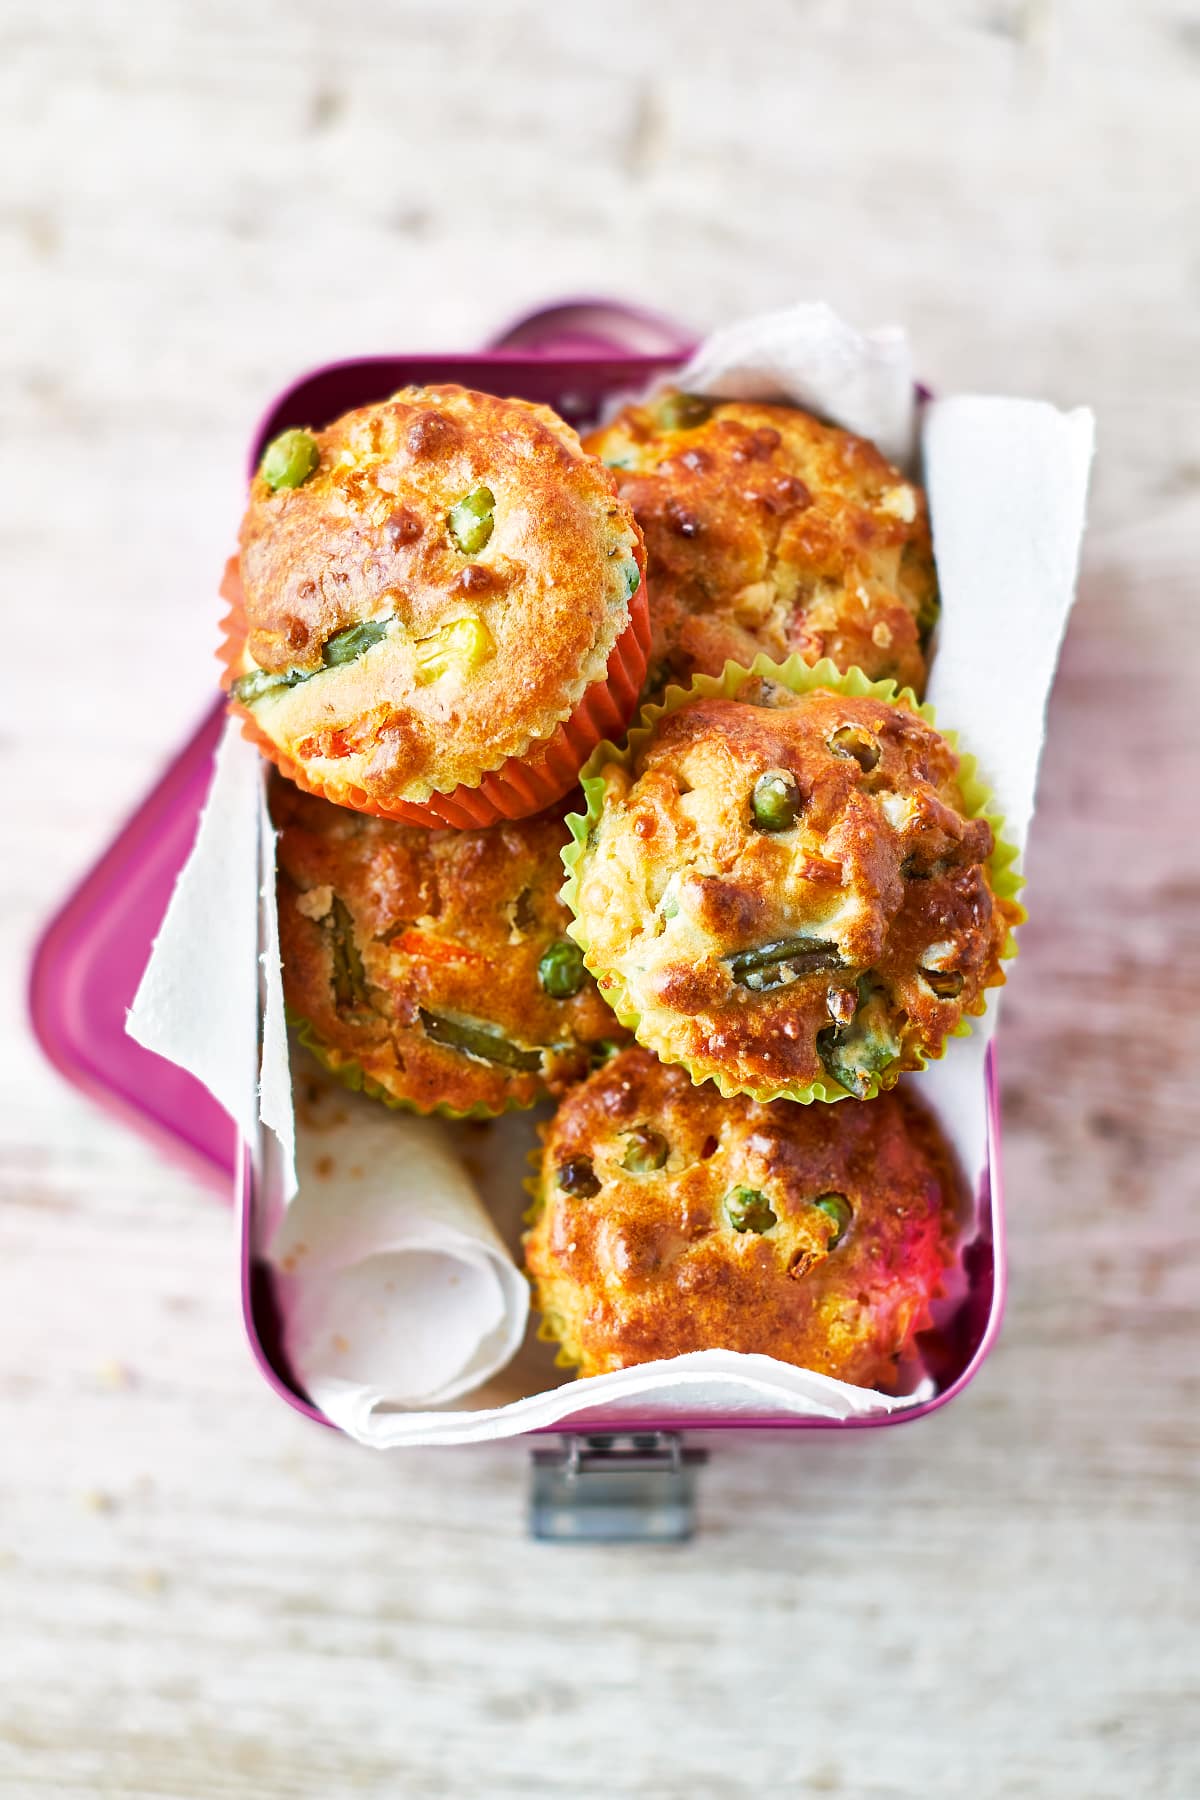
[87, 965]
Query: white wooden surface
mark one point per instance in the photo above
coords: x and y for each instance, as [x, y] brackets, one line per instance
[201, 1595]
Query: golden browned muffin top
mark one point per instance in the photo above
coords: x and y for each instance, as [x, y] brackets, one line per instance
[767, 530]
[791, 892]
[672, 1220]
[435, 962]
[435, 594]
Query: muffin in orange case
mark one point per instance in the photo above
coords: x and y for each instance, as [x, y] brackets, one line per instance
[438, 608]
[668, 1219]
[769, 530]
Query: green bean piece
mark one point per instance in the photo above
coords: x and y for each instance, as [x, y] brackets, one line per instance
[775, 802]
[347, 646]
[577, 1177]
[866, 1046]
[342, 647]
[681, 412]
[349, 976]
[749, 1210]
[289, 459]
[645, 1150]
[470, 521]
[859, 745]
[483, 1042]
[258, 682]
[777, 965]
[839, 1209]
[561, 971]
[947, 984]
[603, 1052]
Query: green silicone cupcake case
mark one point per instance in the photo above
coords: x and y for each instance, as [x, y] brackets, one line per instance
[352, 1075]
[798, 677]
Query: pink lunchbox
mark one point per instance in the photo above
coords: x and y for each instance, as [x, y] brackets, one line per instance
[633, 1481]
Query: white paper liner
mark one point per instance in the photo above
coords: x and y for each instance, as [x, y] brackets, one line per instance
[197, 1003]
[276, 1108]
[1007, 481]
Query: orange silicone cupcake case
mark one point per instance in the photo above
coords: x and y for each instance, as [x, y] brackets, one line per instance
[520, 786]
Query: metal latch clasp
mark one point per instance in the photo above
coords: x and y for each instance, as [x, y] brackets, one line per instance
[625, 1487]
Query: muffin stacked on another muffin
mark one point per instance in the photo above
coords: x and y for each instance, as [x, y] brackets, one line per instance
[787, 892]
[438, 609]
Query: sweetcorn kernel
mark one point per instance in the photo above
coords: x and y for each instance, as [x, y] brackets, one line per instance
[461, 645]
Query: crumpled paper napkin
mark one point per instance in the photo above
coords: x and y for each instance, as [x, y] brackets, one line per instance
[394, 1287]
[808, 356]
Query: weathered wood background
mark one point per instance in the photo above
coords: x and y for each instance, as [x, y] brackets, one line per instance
[201, 1595]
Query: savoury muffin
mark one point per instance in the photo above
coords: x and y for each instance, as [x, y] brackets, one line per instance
[790, 892]
[767, 530]
[433, 967]
[438, 608]
[668, 1219]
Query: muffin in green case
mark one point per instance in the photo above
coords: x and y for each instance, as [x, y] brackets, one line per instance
[789, 883]
[432, 969]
